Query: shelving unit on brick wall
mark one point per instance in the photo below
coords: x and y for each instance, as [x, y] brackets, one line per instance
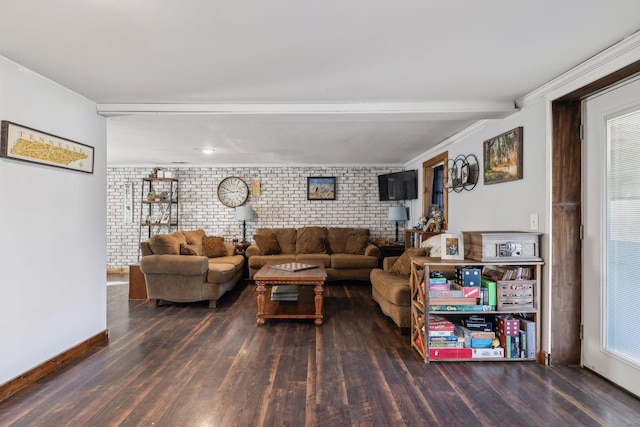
[158, 207]
[468, 310]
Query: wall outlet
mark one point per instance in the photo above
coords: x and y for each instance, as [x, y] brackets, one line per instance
[533, 222]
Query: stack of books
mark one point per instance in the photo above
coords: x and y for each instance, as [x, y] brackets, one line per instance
[284, 293]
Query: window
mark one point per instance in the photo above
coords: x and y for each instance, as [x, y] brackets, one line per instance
[431, 188]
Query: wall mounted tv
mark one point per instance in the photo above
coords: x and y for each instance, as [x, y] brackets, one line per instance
[398, 185]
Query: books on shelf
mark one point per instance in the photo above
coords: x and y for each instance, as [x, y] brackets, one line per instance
[528, 337]
[440, 327]
[284, 293]
[415, 238]
[450, 353]
[453, 301]
[502, 272]
[445, 294]
[454, 321]
[462, 308]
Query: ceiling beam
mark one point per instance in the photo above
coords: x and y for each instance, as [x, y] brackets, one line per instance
[414, 111]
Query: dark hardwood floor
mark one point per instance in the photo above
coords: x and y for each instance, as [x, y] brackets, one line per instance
[188, 365]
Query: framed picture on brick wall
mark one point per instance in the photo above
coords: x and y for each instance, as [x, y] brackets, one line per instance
[321, 188]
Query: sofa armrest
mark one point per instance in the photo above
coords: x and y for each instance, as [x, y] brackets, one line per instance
[388, 262]
[373, 250]
[185, 265]
[252, 250]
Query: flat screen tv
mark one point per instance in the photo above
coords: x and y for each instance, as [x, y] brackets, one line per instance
[398, 185]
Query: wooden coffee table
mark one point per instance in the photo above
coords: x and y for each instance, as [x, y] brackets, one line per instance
[309, 304]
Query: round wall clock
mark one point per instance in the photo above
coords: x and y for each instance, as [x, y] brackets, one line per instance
[233, 191]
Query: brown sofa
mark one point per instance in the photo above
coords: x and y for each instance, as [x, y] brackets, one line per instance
[346, 253]
[390, 287]
[188, 266]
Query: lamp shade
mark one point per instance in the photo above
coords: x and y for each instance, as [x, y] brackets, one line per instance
[244, 213]
[398, 213]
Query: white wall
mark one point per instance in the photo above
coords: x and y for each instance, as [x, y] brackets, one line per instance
[52, 223]
[508, 205]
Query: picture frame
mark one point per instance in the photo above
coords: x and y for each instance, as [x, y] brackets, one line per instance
[128, 202]
[23, 143]
[503, 157]
[452, 246]
[321, 188]
[431, 212]
[165, 218]
[255, 188]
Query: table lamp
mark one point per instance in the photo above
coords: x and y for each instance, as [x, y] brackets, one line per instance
[244, 214]
[397, 214]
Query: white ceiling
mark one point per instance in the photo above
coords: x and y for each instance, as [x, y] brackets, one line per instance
[295, 82]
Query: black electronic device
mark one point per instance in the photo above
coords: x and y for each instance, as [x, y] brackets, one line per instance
[398, 185]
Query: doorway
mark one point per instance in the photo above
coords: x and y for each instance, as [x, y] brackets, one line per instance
[566, 220]
[611, 242]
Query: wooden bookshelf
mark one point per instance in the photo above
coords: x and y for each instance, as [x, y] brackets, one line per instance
[413, 237]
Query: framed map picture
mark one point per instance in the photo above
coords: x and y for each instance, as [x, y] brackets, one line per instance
[23, 143]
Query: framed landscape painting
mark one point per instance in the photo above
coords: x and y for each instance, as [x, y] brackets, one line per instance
[321, 188]
[503, 157]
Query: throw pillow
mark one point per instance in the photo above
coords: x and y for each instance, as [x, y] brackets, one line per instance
[268, 244]
[194, 240]
[164, 244]
[402, 267]
[187, 250]
[213, 247]
[356, 244]
[310, 240]
[433, 245]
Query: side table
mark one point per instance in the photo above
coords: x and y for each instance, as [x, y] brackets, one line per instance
[137, 284]
[390, 250]
[241, 247]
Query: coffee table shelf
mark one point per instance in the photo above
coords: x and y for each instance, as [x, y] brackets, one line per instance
[310, 294]
[304, 308]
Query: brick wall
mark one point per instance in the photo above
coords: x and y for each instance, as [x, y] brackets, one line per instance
[282, 203]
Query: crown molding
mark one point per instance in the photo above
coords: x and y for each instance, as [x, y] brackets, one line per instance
[609, 60]
[439, 147]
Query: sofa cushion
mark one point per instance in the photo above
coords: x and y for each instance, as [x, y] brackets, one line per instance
[194, 240]
[220, 273]
[286, 238]
[310, 240]
[256, 262]
[402, 267]
[213, 246]
[224, 268]
[324, 259]
[187, 249]
[348, 261]
[165, 244]
[268, 244]
[356, 243]
[337, 238]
